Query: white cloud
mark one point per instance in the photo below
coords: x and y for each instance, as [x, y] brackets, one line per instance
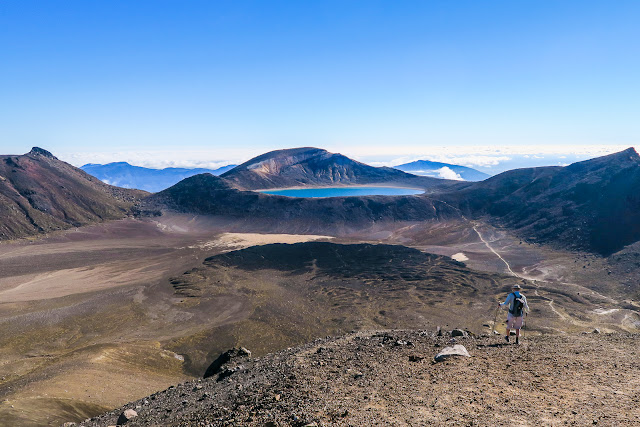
[162, 159]
[447, 173]
[489, 158]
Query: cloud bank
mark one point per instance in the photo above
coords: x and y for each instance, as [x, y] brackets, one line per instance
[490, 159]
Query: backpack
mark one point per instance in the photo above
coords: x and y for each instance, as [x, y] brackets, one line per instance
[518, 305]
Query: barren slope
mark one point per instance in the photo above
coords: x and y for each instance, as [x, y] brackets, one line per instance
[210, 195]
[591, 205]
[124, 311]
[39, 194]
[388, 378]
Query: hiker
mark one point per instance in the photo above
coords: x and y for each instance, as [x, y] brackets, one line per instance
[518, 307]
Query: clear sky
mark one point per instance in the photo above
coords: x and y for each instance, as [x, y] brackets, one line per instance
[180, 81]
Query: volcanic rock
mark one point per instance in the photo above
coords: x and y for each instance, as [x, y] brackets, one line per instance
[226, 357]
[459, 333]
[449, 352]
[562, 369]
[127, 416]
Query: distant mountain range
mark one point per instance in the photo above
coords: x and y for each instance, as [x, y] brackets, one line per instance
[591, 205]
[283, 168]
[122, 174]
[39, 194]
[588, 206]
[442, 170]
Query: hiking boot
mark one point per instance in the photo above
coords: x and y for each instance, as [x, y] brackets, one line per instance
[517, 340]
[506, 338]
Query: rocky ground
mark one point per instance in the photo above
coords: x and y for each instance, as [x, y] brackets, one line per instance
[391, 378]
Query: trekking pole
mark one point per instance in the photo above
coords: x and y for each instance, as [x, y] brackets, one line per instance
[495, 319]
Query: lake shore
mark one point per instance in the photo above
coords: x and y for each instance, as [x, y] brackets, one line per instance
[317, 187]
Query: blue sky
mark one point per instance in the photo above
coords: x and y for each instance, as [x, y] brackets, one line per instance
[225, 80]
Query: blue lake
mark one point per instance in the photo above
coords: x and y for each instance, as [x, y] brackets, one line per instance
[344, 192]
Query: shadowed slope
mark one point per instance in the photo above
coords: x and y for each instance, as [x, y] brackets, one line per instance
[592, 205]
[210, 195]
[297, 292]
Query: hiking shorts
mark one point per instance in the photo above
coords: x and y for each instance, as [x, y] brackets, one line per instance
[514, 322]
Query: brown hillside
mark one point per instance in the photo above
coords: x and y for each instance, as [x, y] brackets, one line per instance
[39, 194]
[591, 205]
[389, 378]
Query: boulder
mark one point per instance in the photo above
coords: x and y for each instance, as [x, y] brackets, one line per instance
[126, 416]
[454, 351]
[224, 358]
[227, 372]
[459, 333]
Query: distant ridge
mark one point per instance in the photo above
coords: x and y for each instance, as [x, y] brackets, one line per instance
[435, 169]
[308, 166]
[593, 205]
[39, 194]
[589, 206]
[122, 174]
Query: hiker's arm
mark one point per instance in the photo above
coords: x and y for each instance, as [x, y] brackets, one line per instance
[507, 301]
[526, 305]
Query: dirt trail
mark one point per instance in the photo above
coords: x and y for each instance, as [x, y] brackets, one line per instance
[513, 273]
[626, 322]
[536, 291]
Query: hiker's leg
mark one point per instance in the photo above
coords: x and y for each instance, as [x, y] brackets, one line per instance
[517, 333]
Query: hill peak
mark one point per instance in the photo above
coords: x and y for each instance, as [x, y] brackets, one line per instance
[622, 159]
[307, 166]
[630, 153]
[202, 180]
[37, 151]
[285, 156]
